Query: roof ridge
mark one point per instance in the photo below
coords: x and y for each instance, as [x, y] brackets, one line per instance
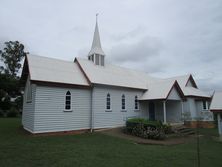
[125, 68]
[57, 59]
[185, 75]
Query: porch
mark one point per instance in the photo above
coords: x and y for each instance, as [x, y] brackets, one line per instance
[167, 111]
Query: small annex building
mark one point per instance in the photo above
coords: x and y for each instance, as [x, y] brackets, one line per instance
[216, 107]
[92, 94]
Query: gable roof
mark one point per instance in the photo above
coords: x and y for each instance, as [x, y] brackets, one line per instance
[115, 75]
[191, 91]
[84, 73]
[161, 90]
[54, 70]
[183, 80]
[188, 90]
[216, 104]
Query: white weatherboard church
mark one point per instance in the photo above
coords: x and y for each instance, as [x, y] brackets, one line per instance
[90, 94]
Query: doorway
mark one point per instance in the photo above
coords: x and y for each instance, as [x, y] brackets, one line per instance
[151, 111]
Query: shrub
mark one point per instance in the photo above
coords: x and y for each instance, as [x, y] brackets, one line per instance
[138, 130]
[167, 128]
[12, 112]
[2, 114]
[146, 129]
[131, 123]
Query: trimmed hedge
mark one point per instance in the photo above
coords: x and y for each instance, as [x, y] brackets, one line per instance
[147, 129]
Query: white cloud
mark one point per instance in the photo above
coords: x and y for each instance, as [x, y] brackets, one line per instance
[164, 38]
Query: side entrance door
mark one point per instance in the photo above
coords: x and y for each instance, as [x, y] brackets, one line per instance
[151, 111]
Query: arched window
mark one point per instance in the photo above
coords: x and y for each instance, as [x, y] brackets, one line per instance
[136, 103]
[123, 102]
[108, 102]
[68, 100]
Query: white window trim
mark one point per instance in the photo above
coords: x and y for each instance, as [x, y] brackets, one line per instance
[108, 110]
[138, 106]
[207, 105]
[123, 110]
[68, 110]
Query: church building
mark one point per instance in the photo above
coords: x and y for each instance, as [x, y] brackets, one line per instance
[89, 94]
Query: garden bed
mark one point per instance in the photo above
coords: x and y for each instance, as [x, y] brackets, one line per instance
[147, 129]
[169, 140]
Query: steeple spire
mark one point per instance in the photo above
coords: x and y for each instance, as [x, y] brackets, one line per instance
[96, 53]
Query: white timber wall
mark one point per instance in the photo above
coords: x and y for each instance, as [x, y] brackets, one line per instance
[50, 114]
[173, 111]
[116, 117]
[144, 109]
[190, 107]
[159, 110]
[28, 109]
[174, 95]
[205, 115]
[173, 108]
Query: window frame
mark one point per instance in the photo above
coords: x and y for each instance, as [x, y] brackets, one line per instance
[205, 105]
[136, 103]
[108, 102]
[68, 95]
[123, 102]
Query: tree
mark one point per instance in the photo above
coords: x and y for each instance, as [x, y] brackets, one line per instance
[12, 55]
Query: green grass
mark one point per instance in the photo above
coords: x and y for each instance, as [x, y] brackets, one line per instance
[20, 149]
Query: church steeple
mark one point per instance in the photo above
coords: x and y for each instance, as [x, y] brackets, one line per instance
[96, 53]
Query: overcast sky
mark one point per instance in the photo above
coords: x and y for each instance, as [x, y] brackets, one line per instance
[162, 37]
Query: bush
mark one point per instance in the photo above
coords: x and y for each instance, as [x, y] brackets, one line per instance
[131, 123]
[2, 114]
[13, 112]
[147, 129]
[167, 128]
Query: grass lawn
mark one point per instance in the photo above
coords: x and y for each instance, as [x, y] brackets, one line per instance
[20, 149]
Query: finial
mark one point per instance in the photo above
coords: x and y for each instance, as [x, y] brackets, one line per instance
[97, 16]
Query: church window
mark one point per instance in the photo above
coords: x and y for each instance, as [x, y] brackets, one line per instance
[68, 101]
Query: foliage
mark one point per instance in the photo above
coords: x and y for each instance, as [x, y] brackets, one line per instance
[12, 55]
[13, 112]
[1, 114]
[147, 129]
[130, 123]
[9, 85]
[167, 128]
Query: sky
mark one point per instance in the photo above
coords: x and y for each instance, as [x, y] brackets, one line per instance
[164, 38]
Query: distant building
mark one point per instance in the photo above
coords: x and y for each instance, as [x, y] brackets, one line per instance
[216, 107]
[91, 94]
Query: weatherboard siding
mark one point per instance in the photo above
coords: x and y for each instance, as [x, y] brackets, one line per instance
[50, 114]
[190, 106]
[28, 110]
[116, 116]
[174, 95]
[173, 111]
